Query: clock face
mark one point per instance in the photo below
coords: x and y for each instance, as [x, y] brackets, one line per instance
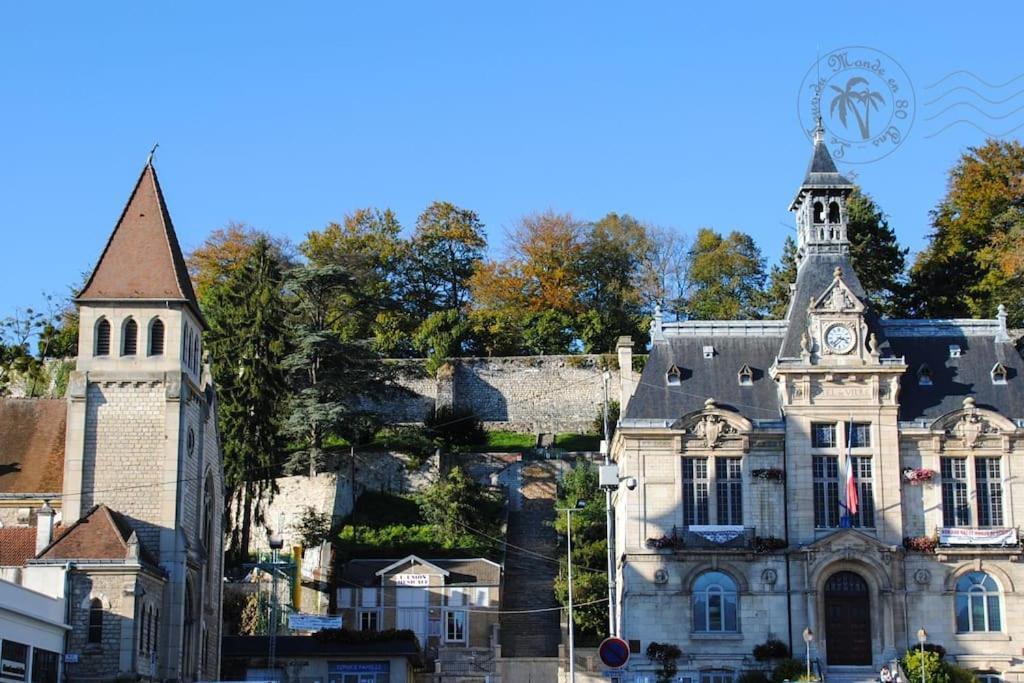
[839, 338]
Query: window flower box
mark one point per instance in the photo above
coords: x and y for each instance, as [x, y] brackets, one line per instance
[921, 544]
[916, 476]
[769, 474]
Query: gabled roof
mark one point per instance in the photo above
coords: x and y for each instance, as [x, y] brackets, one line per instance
[32, 445]
[17, 545]
[102, 534]
[142, 259]
[473, 570]
[411, 559]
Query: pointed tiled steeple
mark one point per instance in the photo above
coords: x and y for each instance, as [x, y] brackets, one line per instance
[822, 173]
[142, 259]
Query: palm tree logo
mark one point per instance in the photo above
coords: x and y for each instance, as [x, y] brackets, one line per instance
[848, 100]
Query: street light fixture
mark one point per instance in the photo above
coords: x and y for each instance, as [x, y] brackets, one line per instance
[922, 637]
[580, 504]
[808, 637]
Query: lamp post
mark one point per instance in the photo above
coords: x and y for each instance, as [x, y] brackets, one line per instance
[808, 637]
[922, 637]
[275, 543]
[580, 504]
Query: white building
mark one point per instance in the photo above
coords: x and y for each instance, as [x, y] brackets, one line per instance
[33, 625]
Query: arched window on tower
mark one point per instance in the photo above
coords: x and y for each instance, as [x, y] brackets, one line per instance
[819, 212]
[96, 621]
[103, 337]
[977, 604]
[156, 337]
[833, 212]
[207, 528]
[129, 337]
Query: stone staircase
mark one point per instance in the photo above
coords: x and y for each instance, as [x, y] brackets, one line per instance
[528, 578]
[851, 674]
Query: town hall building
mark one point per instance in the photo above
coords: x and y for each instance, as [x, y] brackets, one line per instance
[835, 474]
[121, 483]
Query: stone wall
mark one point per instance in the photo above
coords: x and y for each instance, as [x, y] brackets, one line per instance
[534, 394]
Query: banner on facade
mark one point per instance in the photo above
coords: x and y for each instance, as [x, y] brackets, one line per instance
[717, 533]
[313, 622]
[962, 536]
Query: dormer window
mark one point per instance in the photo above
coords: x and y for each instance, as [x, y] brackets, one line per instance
[746, 376]
[103, 337]
[954, 351]
[673, 377]
[924, 376]
[999, 374]
[709, 352]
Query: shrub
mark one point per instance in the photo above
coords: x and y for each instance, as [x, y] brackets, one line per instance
[934, 671]
[666, 655]
[788, 670]
[614, 409]
[771, 649]
[958, 674]
[313, 527]
[753, 677]
[413, 441]
[455, 427]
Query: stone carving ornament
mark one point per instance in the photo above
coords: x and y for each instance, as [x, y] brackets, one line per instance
[711, 428]
[971, 426]
[923, 577]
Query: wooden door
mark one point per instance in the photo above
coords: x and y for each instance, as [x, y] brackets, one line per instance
[847, 620]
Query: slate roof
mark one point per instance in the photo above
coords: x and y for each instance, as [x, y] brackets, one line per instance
[32, 445]
[142, 258]
[953, 379]
[460, 571]
[102, 534]
[17, 545]
[821, 171]
[703, 378]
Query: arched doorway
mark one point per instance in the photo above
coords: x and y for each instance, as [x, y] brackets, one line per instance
[847, 620]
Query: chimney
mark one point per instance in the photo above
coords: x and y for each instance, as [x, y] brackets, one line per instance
[44, 526]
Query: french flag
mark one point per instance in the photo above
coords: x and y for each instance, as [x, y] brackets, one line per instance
[851, 480]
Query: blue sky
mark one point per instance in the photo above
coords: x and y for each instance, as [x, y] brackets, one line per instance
[288, 117]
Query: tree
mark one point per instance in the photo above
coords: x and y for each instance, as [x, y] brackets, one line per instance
[327, 374]
[726, 277]
[454, 503]
[225, 251]
[783, 275]
[611, 267]
[444, 251]
[367, 245]
[953, 276]
[440, 337]
[1003, 261]
[247, 342]
[663, 276]
[877, 257]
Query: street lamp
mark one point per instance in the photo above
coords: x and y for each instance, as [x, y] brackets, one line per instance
[922, 637]
[580, 504]
[808, 637]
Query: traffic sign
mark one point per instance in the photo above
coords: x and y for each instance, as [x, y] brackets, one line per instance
[614, 652]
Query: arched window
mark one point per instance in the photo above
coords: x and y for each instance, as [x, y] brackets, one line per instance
[207, 528]
[819, 212]
[129, 337]
[156, 337]
[715, 603]
[833, 212]
[977, 604]
[156, 635]
[103, 337]
[140, 625]
[96, 621]
[188, 646]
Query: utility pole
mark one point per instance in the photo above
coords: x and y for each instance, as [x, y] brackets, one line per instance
[612, 630]
[580, 504]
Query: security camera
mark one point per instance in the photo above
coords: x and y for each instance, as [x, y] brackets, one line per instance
[630, 483]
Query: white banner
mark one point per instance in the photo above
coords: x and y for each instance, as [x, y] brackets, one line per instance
[313, 622]
[717, 533]
[965, 536]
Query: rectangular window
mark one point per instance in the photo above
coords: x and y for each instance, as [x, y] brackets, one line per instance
[865, 517]
[369, 620]
[344, 598]
[716, 676]
[729, 490]
[859, 434]
[695, 491]
[955, 509]
[13, 661]
[45, 666]
[455, 626]
[823, 435]
[456, 597]
[990, 491]
[482, 598]
[369, 597]
[825, 470]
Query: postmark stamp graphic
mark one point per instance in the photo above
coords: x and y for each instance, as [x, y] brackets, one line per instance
[865, 100]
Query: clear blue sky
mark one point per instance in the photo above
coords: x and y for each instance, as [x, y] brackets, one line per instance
[288, 116]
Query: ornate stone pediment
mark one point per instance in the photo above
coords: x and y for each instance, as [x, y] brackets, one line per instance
[848, 544]
[716, 427]
[970, 426]
[837, 298]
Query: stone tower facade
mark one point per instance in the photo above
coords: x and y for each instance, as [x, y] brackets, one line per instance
[142, 440]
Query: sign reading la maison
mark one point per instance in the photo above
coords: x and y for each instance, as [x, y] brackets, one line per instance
[962, 536]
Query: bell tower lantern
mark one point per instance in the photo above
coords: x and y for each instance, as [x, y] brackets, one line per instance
[820, 204]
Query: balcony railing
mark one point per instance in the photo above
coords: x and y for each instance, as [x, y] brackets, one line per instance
[716, 537]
